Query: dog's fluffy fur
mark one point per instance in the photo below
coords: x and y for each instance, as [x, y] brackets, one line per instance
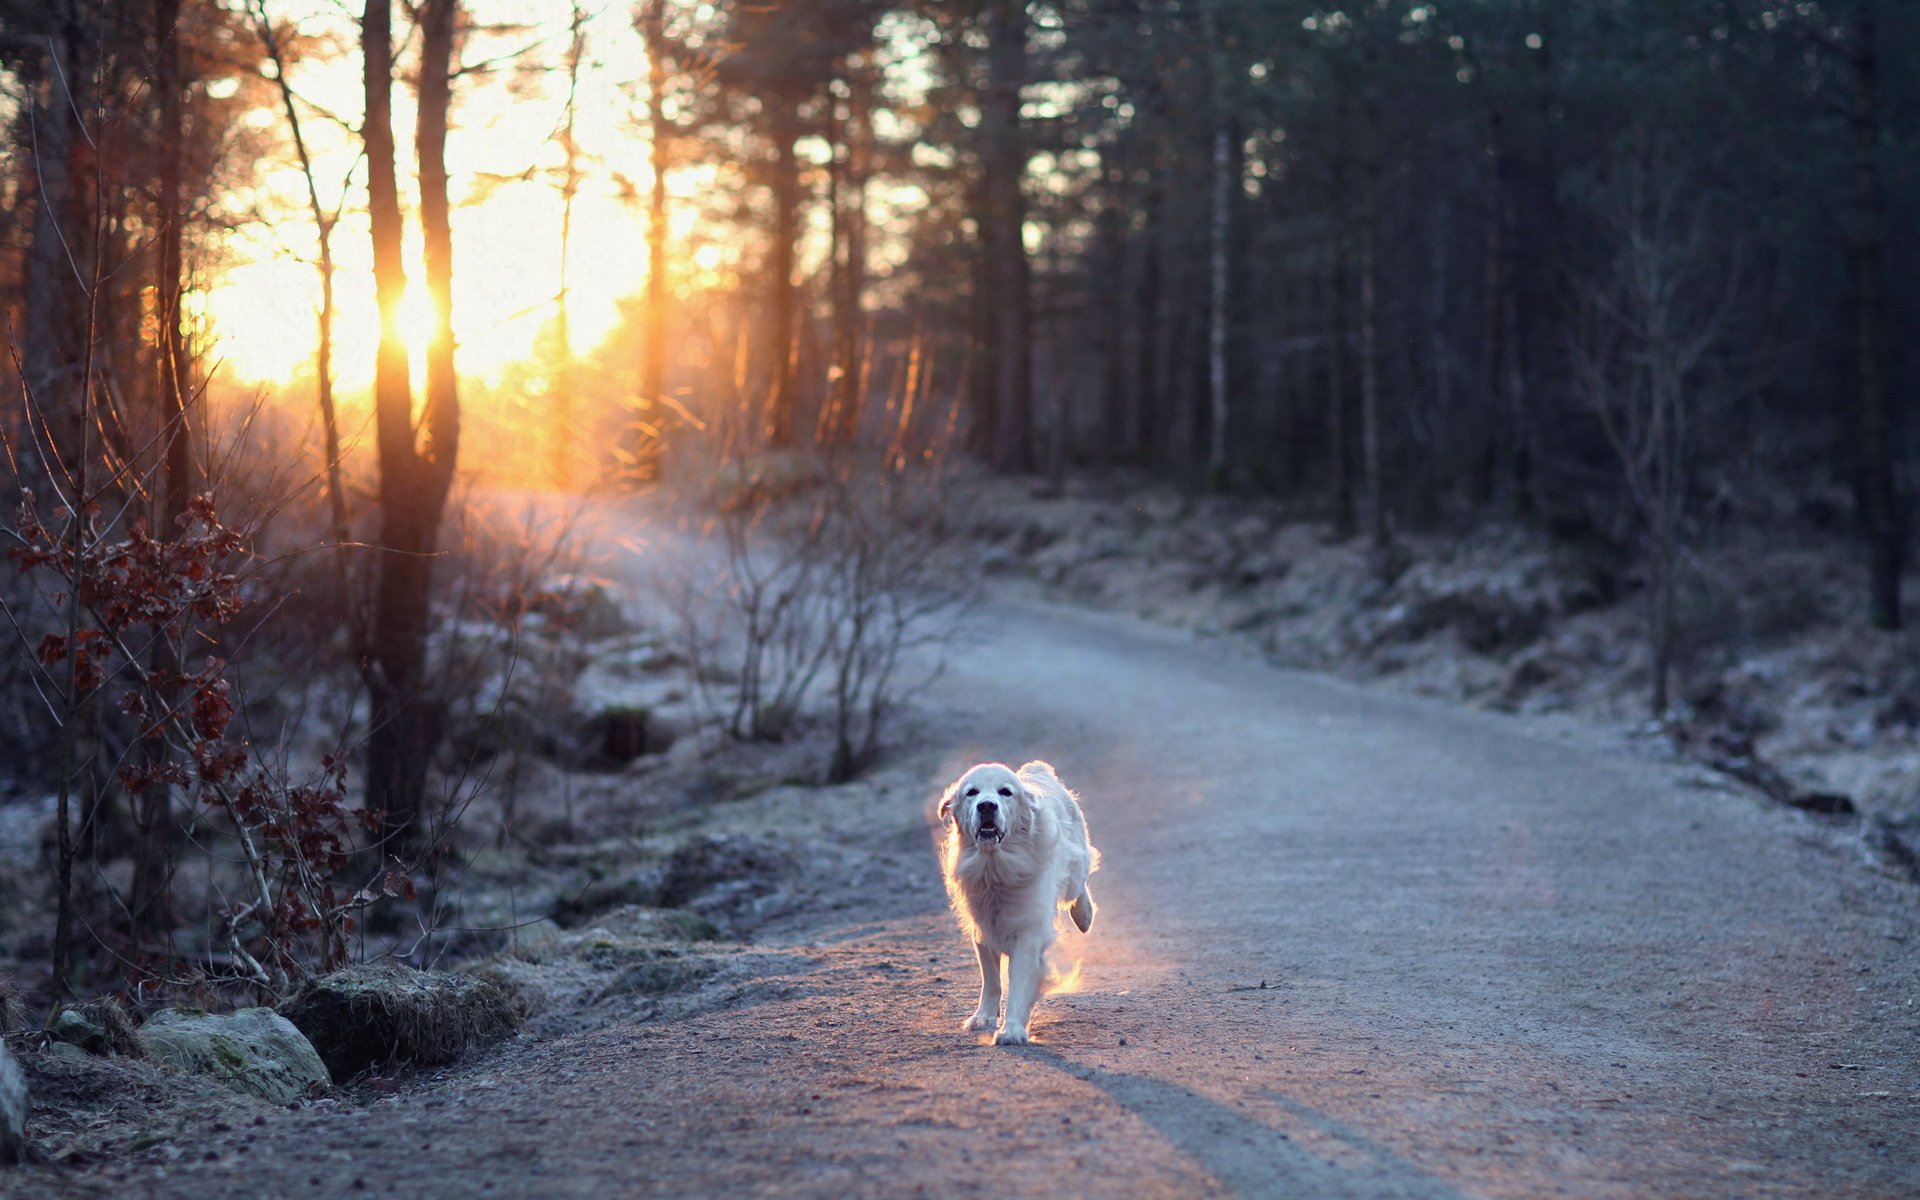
[1016, 853]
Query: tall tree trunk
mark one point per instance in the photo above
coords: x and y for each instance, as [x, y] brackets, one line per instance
[850, 215]
[414, 479]
[564, 418]
[1003, 164]
[61, 256]
[782, 303]
[1219, 231]
[1492, 342]
[1879, 442]
[1112, 429]
[563, 329]
[1370, 353]
[1145, 408]
[152, 908]
[653, 347]
[1219, 237]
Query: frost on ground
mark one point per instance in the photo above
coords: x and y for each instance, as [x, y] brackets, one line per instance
[1775, 648]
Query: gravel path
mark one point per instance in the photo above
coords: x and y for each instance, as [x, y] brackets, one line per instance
[1350, 945]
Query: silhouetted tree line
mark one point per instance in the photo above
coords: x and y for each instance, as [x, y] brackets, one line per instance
[1352, 254]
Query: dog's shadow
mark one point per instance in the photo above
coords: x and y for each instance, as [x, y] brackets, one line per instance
[1248, 1157]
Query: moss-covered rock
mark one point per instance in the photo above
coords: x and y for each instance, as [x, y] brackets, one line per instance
[102, 1027]
[255, 1051]
[384, 1013]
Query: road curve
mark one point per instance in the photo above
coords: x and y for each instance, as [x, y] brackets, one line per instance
[1349, 945]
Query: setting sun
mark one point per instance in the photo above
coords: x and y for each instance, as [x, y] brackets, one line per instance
[507, 163]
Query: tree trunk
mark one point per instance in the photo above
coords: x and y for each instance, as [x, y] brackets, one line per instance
[564, 418]
[786, 231]
[1486, 478]
[414, 479]
[1219, 237]
[849, 306]
[1370, 354]
[1339, 422]
[1879, 442]
[1219, 231]
[61, 257]
[1144, 408]
[1003, 164]
[152, 907]
[653, 351]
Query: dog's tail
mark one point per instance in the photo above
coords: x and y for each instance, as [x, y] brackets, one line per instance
[1082, 909]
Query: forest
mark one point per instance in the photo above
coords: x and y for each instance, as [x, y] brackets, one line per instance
[431, 426]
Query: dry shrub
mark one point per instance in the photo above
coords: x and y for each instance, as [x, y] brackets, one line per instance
[833, 593]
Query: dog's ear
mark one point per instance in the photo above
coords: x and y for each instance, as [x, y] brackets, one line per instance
[946, 803]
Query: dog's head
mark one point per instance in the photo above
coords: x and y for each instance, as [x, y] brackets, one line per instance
[986, 804]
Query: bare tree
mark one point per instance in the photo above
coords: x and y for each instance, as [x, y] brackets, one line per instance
[1650, 322]
[324, 222]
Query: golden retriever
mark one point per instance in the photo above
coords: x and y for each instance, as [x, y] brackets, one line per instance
[1016, 853]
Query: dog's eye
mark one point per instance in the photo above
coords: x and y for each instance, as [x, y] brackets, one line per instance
[973, 791]
[1006, 791]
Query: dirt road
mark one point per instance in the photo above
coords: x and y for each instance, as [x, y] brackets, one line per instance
[1350, 945]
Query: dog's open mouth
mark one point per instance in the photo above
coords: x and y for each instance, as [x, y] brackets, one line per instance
[988, 831]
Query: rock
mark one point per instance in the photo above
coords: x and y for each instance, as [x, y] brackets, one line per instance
[75, 1030]
[13, 1109]
[384, 1013]
[255, 1051]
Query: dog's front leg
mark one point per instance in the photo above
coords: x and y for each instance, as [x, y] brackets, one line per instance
[988, 1014]
[1025, 967]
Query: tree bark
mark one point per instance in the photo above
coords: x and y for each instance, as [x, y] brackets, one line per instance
[414, 478]
[564, 418]
[1219, 230]
[1879, 488]
[653, 350]
[1003, 164]
[1370, 354]
[781, 306]
[152, 903]
[851, 274]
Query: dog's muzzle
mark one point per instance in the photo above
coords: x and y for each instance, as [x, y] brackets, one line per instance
[989, 827]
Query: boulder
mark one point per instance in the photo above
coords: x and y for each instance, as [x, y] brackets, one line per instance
[255, 1051]
[13, 1109]
[382, 1013]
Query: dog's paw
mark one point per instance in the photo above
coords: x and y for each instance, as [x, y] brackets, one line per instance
[980, 1020]
[1010, 1037]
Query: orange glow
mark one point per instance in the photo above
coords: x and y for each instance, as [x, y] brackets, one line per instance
[505, 161]
[1064, 983]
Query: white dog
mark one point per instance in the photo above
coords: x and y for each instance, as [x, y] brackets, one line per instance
[1016, 851]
